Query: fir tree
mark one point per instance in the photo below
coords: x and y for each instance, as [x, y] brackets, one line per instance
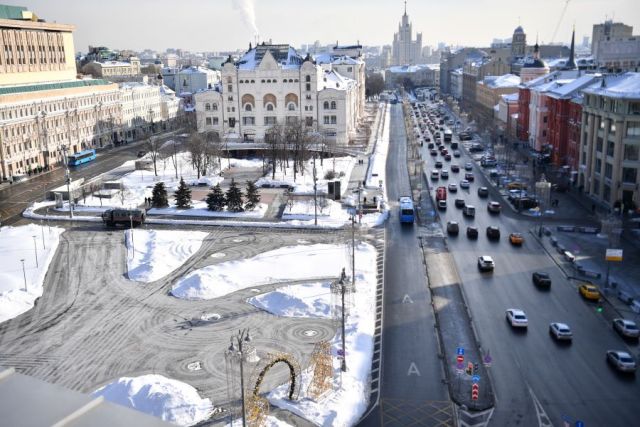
[182, 196]
[252, 196]
[216, 199]
[234, 198]
[159, 196]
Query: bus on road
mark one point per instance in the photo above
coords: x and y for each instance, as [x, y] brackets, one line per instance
[447, 135]
[407, 214]
[82, 157]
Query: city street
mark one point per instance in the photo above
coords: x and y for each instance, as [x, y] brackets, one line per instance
[536, 380]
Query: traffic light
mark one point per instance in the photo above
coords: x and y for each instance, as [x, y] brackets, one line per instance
[476, 368]
[599, 308]
[469, 368]
[475, 390]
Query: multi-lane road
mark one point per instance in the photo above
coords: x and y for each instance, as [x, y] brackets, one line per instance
[536, 380]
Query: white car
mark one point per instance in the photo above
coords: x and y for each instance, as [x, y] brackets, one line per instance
[517, 318]
[468, 166]
[621, 360]
[560, 331]
[485, 263]
[464, 184]
[626, 328]
[453, 187]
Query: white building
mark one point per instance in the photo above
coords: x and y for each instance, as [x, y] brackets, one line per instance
[273, 84]
[455, 77]
[141, 109]
[170, 106]
[193, 79]
[113, 69]
[406, 51]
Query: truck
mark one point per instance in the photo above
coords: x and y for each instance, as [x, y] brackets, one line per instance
[441, 193]
[126, 217]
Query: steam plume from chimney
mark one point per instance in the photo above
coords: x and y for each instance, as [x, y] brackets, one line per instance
[247, 12]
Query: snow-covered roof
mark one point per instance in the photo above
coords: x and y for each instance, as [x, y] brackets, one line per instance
[510, 97]
[329, 58]
[569, 88]
[194, 70]
[504, 81]
[412, 68]
[555, 75]
[457, 71]
[333, 80]
[558, 62]
[626, 85]
[286, 56]
[113, 63]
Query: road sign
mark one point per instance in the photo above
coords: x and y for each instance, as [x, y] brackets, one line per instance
[460, 359]
[460, 366]
[461, 351]
[475, 390]
[340, 352]
[613, 255]
[475, 378]
[487, 359]
[579, 424]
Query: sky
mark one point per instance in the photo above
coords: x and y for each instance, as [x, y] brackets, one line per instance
[220, 25]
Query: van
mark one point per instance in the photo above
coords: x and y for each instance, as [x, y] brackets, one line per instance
[435, 175]
[569, 256]
[441, 193]
[469, 210]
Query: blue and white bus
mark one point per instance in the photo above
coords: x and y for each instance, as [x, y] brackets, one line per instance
[407, 214]
[82, 157]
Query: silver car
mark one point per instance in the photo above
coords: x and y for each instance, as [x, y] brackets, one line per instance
[621, 360]
[626, 328]
[560, 331]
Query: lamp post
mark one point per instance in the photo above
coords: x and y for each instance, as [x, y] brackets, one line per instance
[67, 176]
[35, 248]
[543, 190]
[24, 274]
[238, 351]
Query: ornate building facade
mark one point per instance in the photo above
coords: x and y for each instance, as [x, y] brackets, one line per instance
[406, 51]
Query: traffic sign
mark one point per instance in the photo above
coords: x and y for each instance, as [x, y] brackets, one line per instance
[340, 352]
[469, 368]
[475, 378]
[475, 390]
[460, 366]
[460, 359]
[461, 351]
[579, 424]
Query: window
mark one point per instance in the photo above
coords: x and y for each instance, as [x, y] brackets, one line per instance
[612, 127]
[629, 175]
[610, 148]
[307, 78]
[349, 69]
[230, 98]
[291, 106]
[230, 88]
[308, 86]
[253, 81]
[248, 120]
[596, 186]
[598, 165]
[306, 108]
[215, 121]
[634, 108]
[214, 107]
[602, 124]
[333, 120]
[310, 107]
[291, 120]
[599, 143]
[232, 122]
[631, 152]
[208, 121]
[326, 105]
[333, 105]
[608, 170]
[207, 107]
[606, 193]
[327, 120]
[247, 107]
[270, 120]
[633, 129]
[544, 119]
[269, 107]
[308, 121]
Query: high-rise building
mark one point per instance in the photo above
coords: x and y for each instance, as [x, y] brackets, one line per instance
[607, 31]
[406, 51]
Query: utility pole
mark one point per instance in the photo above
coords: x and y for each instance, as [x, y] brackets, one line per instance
[315, 193]
[241, 338]
[35, 249]
[24, 274]
[42, 231]
[353, 254]
[67, 177]
[133, 245]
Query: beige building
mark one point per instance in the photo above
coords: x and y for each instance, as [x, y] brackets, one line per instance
[609, 153]
[489, 91]
[113, 69]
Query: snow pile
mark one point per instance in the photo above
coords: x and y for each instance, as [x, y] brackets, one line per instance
[199, 208]
[159, 252]
[170, 400]
[377, 170]
[287, 263]
[345, 405]
[17, 243]
[333, 215]
[307, 300]
[303, 184]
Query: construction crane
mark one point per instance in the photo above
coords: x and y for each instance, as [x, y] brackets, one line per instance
[564, 10]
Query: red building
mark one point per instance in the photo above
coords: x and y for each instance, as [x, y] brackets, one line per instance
[522, 129]
[573, 134]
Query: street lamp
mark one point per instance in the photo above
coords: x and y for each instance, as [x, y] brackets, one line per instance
[24, 274]
[239, 350]
[543, 190]
[35, 249]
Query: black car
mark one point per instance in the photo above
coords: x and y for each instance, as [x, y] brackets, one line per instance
[541, 279]
[430, 146]
[472, 232]
[438, 164]
[434, 152]
[493, 233]
[483, 192]
[455, 168]
[459, 203]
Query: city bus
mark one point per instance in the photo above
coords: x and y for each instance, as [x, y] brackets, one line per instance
[447, 135]
[406, 210]
[82, 157]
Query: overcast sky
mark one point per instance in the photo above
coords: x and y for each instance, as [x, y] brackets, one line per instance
[217, 25]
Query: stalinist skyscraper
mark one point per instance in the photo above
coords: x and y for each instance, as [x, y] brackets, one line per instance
[405, 50]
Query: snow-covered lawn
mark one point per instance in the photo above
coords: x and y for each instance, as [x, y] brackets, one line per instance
[377, 171]
[199, 208]
[287, 263]
[345, 404]
[333, 215]
[304, 183]
[159, 252]
[17, 243]
[168, 399]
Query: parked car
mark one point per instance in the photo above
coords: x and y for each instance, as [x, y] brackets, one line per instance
[485, 262]
[459, 203]
[453, 228]
[483, 192]
[621, 361]
[516, 239]
[541, 279]
[560, 331]
[142, 153]
[517, 318]
[493, 232]
[494, 207]
[589, 291]
[472, 233]
[626, 328]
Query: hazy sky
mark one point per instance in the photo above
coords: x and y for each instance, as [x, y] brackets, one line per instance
[214, 25]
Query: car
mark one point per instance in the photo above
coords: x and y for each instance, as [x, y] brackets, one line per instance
[433, 152]
[453, 228]
[516, 239]
[483, 192]
[442, 205]
[438, 164]
[453, 187]
[589, 291]
[541, 279]
[516, 185]
[517, 318]
[444, 174]
[494, 207]
[485, 262]
[430, 146]
[142, 153]
[469, 177]
[621, 360]
[464, 184]
[472, 232]
[459, 203]
[493, 232]
[447, 157]
[455, 168]
[435, 175]
[626, 328]
[456, 153]
[468, 166]
[560, 331]
[469, 210]
[426, 138]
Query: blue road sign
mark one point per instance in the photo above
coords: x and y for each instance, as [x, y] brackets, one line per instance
[579, 424]
[460, 365]
[475, 378]
[461, 351]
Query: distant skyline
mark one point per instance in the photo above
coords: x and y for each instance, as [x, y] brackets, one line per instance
[220, 25]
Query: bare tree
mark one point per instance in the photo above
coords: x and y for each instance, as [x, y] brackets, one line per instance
[298, 140]
[197, 149]
[153, 149]
[170, 150]
[274, 138]
[212, 151]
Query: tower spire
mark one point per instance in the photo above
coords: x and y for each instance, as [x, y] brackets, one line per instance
[571, 63]
[405, 7]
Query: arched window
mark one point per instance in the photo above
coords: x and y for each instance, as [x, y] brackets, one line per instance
[214, 107]
[333, 105]
[307, 79]
[326, 105]
[291, 106]
[290, 80]
[247, 107]
[268, 80]
[269, 107]
[253, 81]
[207, 107]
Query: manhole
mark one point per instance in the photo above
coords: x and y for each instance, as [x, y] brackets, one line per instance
[194, 366]
[218, 255]
[237, 240]
[310, 333]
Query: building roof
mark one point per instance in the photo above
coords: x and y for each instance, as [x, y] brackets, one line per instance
[518, 30]
[333, 80]
[286, 56]
[571, 88]
[625, 85]
[554, 75]
[510, 97]
[6, 90]
[12, 12]
[194, 70]
[412, 68]
[113, 63]
[531, 62]
[504, 81]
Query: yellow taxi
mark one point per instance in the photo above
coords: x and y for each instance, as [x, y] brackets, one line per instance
[589, 291]
[515, 185]
[516, 239]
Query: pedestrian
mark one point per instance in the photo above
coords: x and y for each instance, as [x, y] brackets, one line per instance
[593, 208]
[557, 203]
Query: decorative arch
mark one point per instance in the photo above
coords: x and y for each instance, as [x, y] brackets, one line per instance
[291, 98]
[269, 99]
[248, 101]
[294, 373]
